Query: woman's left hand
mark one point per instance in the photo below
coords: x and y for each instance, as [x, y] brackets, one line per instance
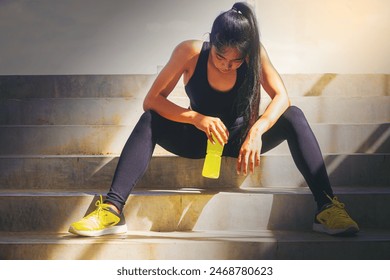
[249, 156]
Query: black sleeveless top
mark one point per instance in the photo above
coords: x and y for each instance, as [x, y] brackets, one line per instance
[208, 101]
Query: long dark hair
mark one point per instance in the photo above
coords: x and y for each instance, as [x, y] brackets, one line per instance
[238, 28]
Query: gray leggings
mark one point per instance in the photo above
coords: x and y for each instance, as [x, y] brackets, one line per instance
[187, 141]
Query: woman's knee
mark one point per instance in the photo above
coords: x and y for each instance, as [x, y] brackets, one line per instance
[147, 115]
[150, 117]
[294, 118]
[294, 114]
[146, 121]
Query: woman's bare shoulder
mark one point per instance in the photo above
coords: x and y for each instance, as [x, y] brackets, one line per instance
[188, 49]
[193, 46]
[185, 57]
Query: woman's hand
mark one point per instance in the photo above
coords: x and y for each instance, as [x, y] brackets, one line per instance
[212, 126]
[249, 156]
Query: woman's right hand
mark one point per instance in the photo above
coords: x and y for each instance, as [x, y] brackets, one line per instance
[212, 126]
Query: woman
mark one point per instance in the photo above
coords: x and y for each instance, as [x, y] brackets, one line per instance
[222, 80]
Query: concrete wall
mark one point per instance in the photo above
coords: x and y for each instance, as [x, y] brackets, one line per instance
[319, 36]
[98, 36]
[133, 37]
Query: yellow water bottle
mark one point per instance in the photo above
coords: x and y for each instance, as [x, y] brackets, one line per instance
[212, 162]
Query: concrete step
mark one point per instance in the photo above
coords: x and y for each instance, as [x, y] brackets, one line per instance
[109, 140]
[338, 110]
[193, 209]
[70, 111]
[330, 84]
[137, 85]
[96, 172]
[49, 86]
[126, 111]
[197, 245]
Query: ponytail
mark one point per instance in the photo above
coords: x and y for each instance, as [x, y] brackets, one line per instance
[238, 28]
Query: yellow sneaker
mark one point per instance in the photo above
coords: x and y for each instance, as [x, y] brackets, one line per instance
[104, 220]
[333, 219]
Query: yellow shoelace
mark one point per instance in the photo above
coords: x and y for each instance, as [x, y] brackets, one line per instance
[339, 207]
[336, 202]
[94, 216]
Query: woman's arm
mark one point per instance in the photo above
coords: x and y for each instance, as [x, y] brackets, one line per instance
[181, 61]
[156, 99]
[272, 83]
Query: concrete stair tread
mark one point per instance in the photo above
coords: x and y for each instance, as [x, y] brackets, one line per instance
[121, 98]
[183, 209]
[161, 153]
[46, 126]
[259, 244]
[194, 236]
[115, 110]
[96, 171]
[354, 190]
[110, 139]
[326, 84]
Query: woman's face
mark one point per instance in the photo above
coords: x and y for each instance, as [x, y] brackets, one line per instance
[227, 60]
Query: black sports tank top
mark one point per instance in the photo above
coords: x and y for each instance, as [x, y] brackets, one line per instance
[208, 101]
